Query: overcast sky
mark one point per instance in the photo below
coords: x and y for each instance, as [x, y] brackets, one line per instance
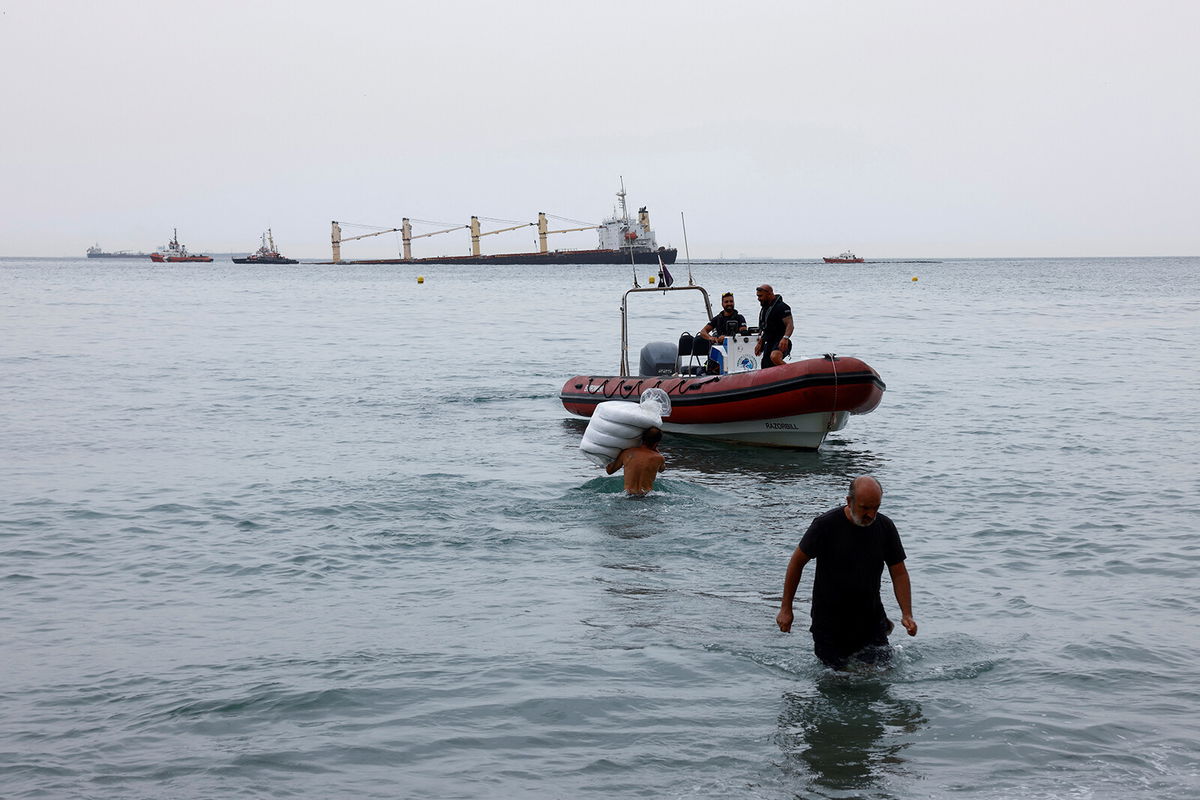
[784, 129]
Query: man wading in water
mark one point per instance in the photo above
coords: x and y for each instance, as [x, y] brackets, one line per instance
[641, 463]
[851, 545]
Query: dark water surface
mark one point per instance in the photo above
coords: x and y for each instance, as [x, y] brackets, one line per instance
[324, 532]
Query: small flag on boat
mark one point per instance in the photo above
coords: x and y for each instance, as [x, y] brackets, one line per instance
[664, 274]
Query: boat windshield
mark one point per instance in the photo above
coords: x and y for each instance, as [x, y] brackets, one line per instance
[661, 290]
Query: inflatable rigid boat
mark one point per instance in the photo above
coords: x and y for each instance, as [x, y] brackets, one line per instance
[722, 393]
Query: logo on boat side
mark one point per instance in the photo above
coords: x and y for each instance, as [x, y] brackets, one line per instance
[782, 426]
[746, 363]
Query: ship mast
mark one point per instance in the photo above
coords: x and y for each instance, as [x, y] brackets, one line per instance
[621, 197]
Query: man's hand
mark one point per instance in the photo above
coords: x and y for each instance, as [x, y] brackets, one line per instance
[784, 620]
[758, 348]
[910, 625]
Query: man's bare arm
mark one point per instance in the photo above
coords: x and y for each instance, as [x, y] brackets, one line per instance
[903, 589]
[791, 581]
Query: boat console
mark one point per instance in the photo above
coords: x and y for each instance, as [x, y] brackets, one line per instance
[735, 354]
[696, 356]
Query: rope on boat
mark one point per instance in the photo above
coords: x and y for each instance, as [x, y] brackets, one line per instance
[624, 389]
[833, 414]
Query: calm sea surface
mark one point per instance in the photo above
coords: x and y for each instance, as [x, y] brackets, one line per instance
[325, 532]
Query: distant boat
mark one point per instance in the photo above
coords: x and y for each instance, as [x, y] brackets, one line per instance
[175, 252]
[96, 252]
[267, 254]
[845, 258]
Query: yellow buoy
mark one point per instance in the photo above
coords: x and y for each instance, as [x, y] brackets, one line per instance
[914, 277]
[421, 279]
[652, 279]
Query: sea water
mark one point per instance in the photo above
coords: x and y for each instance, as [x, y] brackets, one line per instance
[324, 531]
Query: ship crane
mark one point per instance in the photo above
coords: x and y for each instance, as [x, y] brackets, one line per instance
[542, 232]
[406, 235]
[337, 239]
[405, 230]
[475, 233]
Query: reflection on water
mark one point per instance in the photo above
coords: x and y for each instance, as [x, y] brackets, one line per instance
[698, 454]
[848, 734]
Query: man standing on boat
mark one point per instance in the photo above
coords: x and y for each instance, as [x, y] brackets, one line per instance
[729, 321]
[775, 326]
[851, 545]
[641, 463]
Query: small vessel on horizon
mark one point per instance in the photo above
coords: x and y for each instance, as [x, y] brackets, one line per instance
[96, 252]
[175, 252]
[266, 254]
[845, 258]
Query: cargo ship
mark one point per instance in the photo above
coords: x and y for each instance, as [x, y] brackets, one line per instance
[267, 254]
[175, 252]
[623, 240]
[96, 252]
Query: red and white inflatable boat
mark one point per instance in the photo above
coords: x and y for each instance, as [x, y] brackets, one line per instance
[724, 395]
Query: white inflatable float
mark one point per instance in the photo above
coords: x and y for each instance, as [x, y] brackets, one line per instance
[618, 424]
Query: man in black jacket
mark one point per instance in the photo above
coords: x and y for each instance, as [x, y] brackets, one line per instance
[775, 324]
[728, 321]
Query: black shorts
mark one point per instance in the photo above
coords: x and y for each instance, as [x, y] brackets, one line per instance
[770, 347]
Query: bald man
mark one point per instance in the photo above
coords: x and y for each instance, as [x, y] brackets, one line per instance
[775, 327]
[851, 544]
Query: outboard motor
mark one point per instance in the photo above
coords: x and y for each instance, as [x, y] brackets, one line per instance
[657, 358]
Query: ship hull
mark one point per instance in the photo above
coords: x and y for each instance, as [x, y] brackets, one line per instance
[179, 259]
[667, 254]
[253, 260]
[829, 260]
[794, 405]
[118, 255]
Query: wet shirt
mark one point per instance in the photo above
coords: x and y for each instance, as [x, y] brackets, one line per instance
[721, 324]
[846, 606]
[771, 319]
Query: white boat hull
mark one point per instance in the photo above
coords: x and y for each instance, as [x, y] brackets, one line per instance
[802, 431]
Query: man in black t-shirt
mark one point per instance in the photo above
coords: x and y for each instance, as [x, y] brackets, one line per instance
[851, 545]
[775, 324]
[729, 321]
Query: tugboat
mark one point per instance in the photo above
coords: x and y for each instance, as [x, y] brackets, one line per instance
[845, 258]
[267, 254]
[175, 252]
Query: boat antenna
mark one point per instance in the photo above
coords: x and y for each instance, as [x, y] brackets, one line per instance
[686, 253]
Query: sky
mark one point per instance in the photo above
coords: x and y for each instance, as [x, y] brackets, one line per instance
[964, 128]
